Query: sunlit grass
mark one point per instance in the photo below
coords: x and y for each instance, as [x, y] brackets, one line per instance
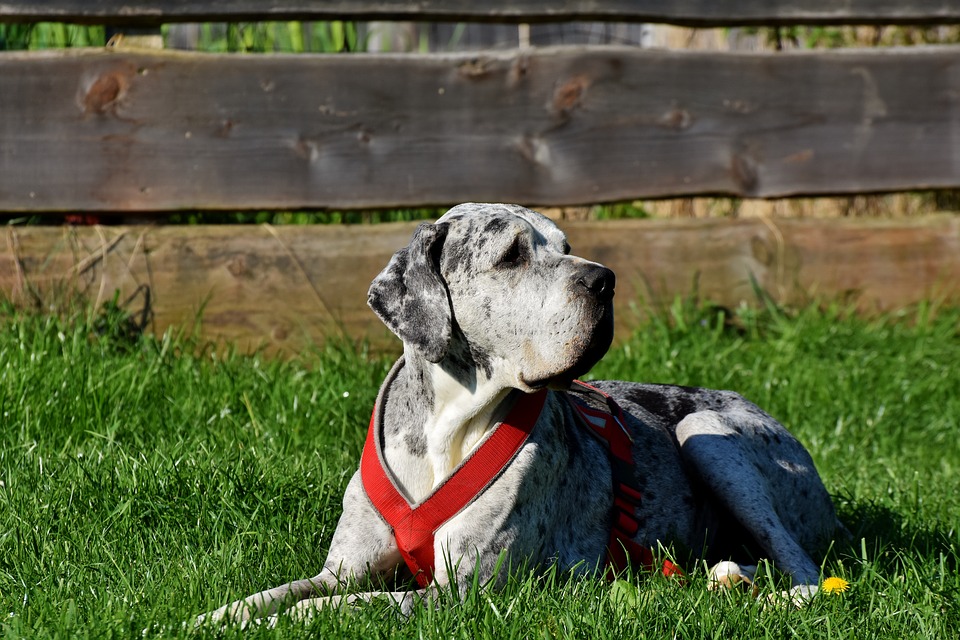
[145, 481]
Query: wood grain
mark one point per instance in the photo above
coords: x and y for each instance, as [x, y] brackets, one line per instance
[99, 130]
[688, 12]
[285, 288]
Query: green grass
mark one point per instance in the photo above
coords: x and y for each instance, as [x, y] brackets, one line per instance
[147, 480]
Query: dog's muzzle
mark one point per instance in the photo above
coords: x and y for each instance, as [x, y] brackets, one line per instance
[594, 285]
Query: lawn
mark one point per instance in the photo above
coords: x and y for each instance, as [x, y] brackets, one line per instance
[145, 480]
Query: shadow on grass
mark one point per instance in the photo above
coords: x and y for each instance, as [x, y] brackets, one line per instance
[883, 535]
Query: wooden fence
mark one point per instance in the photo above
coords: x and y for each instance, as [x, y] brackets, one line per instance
[285, 287]
[689, 12]
[136, 131]
[120, 130]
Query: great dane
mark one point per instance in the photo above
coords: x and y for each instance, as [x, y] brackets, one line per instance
[492, 307]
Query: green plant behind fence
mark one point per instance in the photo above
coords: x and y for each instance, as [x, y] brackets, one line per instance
[251, 37]
[49, 35]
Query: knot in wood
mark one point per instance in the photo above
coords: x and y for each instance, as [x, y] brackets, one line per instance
[744, 171]
[762, 252]
[569, 95]
[104, 93]
[677, 119]
[238, 267]
[475, 68]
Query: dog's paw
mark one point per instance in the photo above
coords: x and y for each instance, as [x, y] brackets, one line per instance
[798, 596]
[204, 620]
[222, 617]
[730, 575]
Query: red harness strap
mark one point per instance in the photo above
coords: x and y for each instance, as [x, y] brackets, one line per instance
[414, 526]
[609, 427]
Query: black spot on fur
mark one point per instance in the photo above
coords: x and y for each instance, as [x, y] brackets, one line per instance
[416, 444]
[457, 257]
[669, 407]
[494, 227]
[482, 360]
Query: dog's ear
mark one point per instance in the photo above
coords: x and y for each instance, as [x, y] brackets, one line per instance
[411, 297]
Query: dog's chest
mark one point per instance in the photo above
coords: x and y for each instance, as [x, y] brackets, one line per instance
[553, 501]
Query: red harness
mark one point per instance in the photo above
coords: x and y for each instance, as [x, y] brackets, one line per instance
[622, 550]
[414, 526]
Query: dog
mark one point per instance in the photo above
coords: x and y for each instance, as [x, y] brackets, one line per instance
[493, 310]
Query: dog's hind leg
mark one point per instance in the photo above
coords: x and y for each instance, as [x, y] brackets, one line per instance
[751, 482]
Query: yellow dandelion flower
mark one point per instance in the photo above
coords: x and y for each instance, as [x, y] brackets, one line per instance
[835, 585]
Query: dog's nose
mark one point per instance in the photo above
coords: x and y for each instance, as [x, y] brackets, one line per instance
[599, 281]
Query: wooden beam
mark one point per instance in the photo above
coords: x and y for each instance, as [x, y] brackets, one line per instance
[284, 288]
[687, 12]
[101, 130]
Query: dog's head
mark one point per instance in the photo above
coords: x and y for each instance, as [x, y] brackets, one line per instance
[494, 287]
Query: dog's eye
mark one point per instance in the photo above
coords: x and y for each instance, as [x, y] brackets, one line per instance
[513, 256]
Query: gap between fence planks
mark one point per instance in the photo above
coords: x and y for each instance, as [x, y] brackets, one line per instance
[689, 12]
[285, 288]
[100, 130]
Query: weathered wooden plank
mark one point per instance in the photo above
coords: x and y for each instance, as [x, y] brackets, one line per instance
[121, 131]
[875, 264]
[688, 12]
[287, 287]
[250, 285]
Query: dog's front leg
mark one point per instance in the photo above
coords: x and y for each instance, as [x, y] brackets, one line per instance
[403, 601]
[362, 547]
[265, 603]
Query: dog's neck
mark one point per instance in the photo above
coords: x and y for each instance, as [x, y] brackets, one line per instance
[461, 417]
[450, 420]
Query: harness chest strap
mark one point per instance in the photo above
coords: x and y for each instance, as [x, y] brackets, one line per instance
[414, 526]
